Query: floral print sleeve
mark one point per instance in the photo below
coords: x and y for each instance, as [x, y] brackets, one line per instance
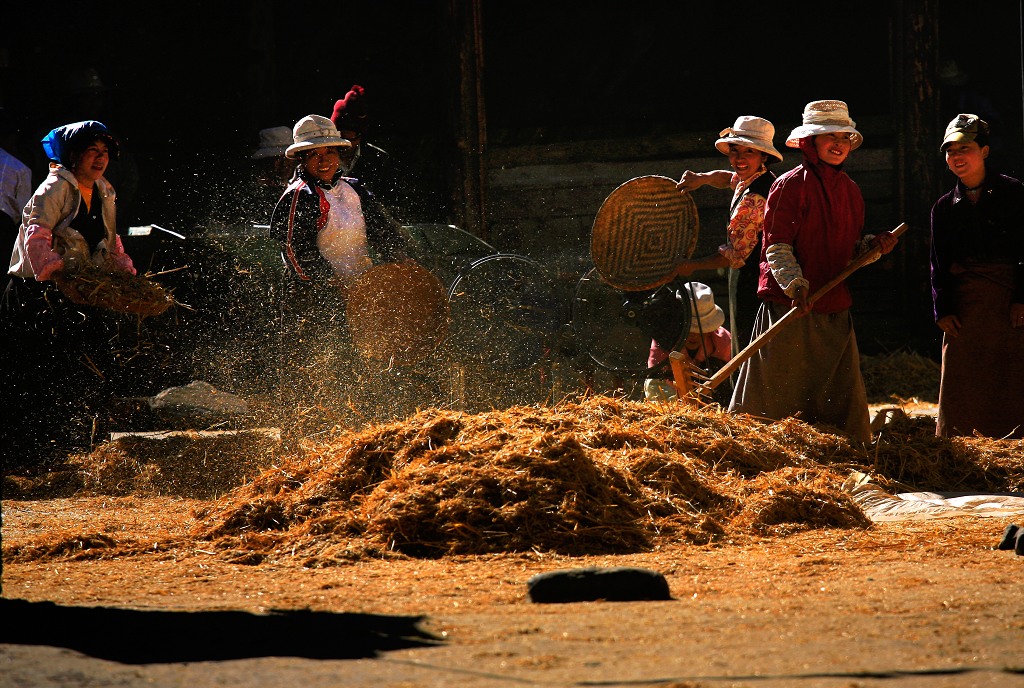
[745, 227]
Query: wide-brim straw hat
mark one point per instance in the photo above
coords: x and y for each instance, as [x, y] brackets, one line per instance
[314, 131]
[755, 132]
[825, 117]
[707, 317]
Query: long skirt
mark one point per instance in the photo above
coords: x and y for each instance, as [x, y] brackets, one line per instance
[810, 369]
[982, 387]
[61, 364]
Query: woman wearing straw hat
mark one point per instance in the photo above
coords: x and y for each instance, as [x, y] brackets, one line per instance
[977, 278]
[271, 172]
[331, 230]
[812, 230]
[748, 143]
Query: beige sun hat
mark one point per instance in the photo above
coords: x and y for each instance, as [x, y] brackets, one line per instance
[274, 141]
[755, 132]
[825, 117]
[706, 316]
[315, 131]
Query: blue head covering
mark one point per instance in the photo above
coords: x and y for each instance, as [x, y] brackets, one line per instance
[58, 143]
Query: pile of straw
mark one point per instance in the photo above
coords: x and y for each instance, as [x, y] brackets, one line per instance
[900, 375]
[599, 476]
[185, 464]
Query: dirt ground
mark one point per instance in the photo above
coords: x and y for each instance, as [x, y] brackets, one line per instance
[927, 603]
[912, 603]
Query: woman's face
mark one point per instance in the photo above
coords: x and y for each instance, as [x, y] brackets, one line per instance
[967, 161]
[91, 163]
[322, 163]
[833, 148]
[745, 161]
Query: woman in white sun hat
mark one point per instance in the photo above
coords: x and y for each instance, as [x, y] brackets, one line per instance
[708, 344]
[812, 230]
[331, 230]
[749, 145]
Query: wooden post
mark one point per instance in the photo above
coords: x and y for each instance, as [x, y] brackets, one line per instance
[916, 106]
[470, 118]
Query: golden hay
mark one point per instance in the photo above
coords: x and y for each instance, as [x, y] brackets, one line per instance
[900, 375]
[907, 453]
[599, 476]
[116, 291]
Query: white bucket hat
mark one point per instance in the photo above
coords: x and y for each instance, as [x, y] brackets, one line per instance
[755, 132]
[273, 142]
[315, 131]
[825, 117]
[706, 317]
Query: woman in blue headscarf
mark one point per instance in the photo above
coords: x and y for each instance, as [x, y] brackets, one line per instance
[70, 220]
[60, 356]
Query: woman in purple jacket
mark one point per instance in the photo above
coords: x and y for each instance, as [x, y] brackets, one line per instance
[977, 276]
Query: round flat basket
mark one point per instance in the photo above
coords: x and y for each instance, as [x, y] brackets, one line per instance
[397, 313]
[642, 230]
[120, 292]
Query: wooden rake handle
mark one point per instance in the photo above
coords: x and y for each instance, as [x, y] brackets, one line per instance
[736, 361]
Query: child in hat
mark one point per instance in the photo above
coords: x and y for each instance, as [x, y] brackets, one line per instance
[708, 343]
[749, 145]
[813, 226]
[977, 280]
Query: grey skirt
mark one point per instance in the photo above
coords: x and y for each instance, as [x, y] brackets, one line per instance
[810, 369]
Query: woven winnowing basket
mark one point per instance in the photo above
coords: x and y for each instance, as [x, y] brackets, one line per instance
[642, 230]
[117, 291]
[397, 312]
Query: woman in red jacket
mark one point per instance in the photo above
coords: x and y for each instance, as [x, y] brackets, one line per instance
[813, 223]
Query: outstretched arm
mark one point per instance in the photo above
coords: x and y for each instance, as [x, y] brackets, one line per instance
[720, 179]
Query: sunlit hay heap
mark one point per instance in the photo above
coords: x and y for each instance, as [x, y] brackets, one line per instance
[908, 455]
[116, 291]
[184, 464]
[599, 476]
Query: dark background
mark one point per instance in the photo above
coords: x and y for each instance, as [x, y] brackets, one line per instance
[191, 83]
